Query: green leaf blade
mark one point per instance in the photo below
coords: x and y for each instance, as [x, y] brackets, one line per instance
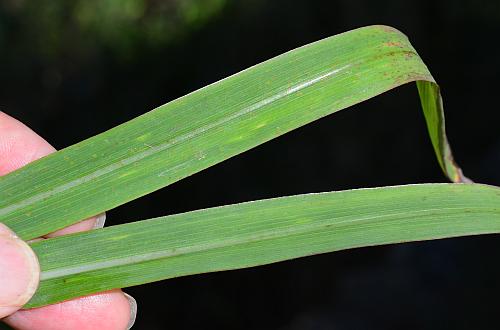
[215, 123]
[260, 232]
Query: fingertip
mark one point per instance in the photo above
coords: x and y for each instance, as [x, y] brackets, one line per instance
[19, 270]
[77, 227]
[89, 224]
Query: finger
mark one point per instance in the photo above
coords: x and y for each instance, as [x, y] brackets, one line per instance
[92, 223]
[105, 311]
[19, 145]
[19, 272]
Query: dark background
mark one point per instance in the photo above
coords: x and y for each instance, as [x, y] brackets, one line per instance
[73, 69]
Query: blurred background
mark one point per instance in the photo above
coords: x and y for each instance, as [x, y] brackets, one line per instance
[72, 69]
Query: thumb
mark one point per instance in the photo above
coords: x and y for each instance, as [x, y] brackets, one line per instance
[19, 272]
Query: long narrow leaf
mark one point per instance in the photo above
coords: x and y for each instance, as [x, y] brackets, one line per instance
[261, 232]
[217, 122]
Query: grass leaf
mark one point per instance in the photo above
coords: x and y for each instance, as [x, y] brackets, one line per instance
[260, 232]
[215, 123]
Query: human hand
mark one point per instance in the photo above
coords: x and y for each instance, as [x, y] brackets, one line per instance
[19, 269]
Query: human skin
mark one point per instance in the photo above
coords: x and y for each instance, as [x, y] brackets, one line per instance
[111, 310]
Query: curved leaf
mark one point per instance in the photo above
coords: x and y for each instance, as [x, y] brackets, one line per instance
[215, 123]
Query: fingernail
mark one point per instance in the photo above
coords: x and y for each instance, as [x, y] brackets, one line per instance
[100, 220]
[133, 310]
[19, 272]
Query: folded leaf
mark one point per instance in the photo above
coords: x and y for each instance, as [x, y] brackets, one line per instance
[215, 123]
